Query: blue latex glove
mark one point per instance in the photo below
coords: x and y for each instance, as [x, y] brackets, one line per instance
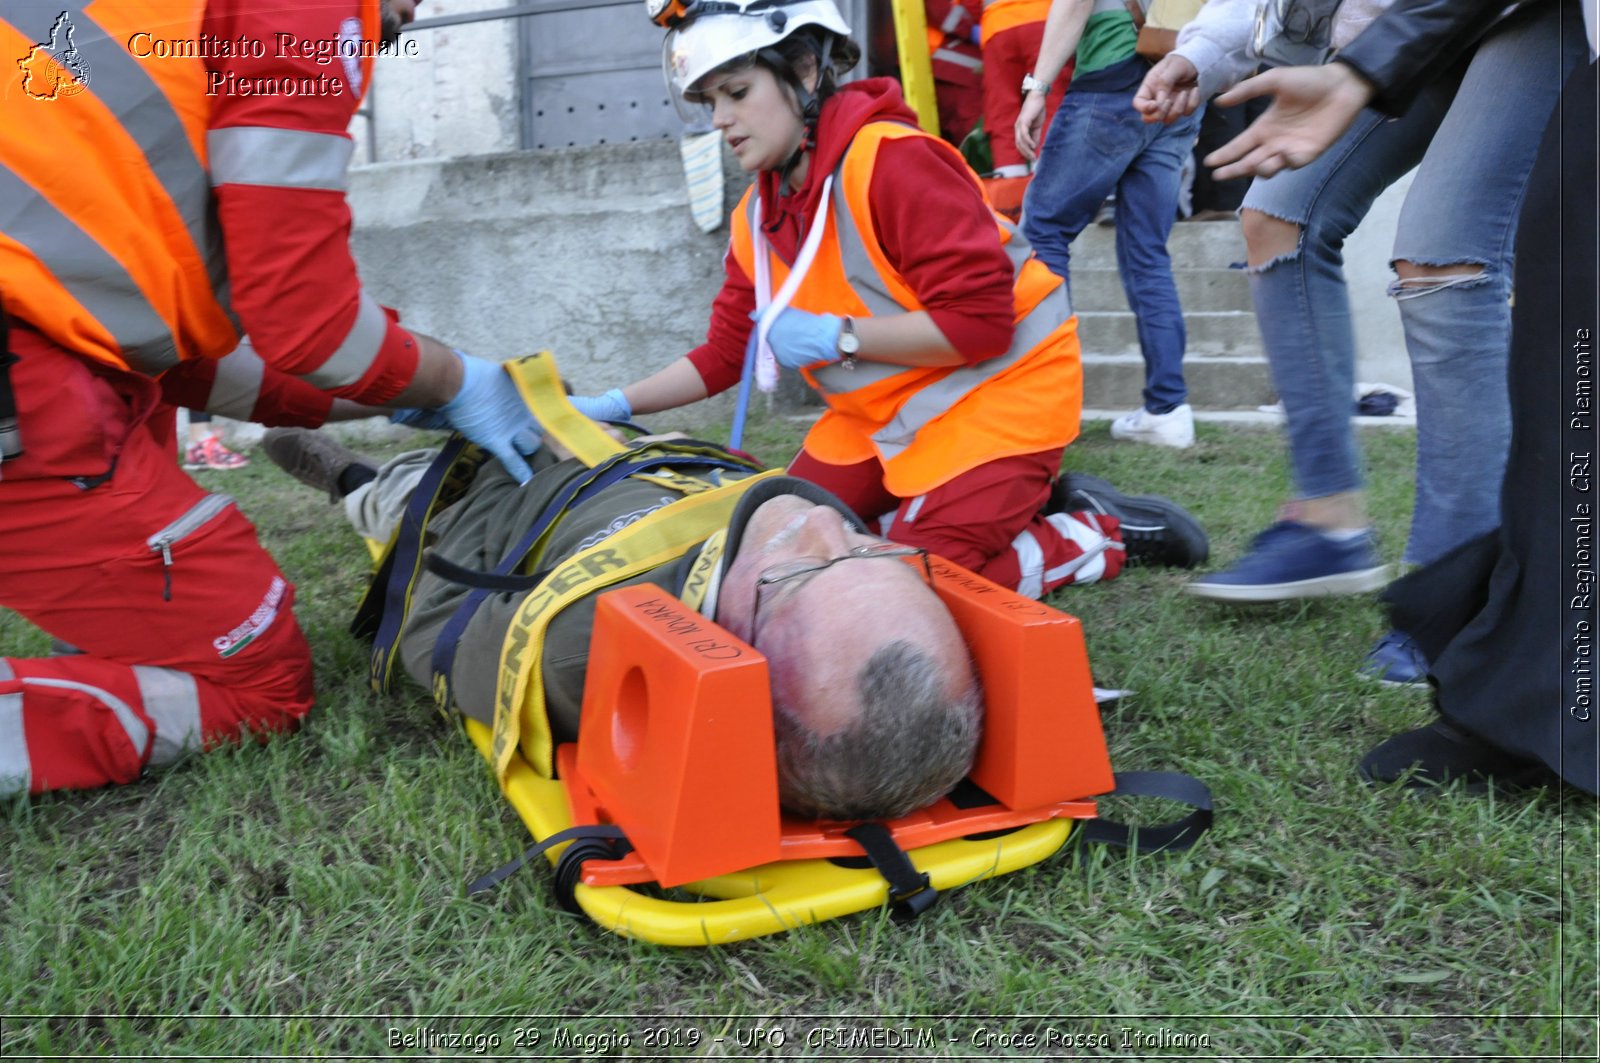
[490, 412]
[612, 406]
[431, 420]
[800, 340]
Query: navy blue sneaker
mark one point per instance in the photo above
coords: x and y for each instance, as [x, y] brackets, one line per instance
[1395, 661]
[1294, 560]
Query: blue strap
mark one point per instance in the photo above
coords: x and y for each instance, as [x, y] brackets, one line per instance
[400, 569]
[741, 410]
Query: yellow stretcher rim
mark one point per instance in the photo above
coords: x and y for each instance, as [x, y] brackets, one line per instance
[768, 899]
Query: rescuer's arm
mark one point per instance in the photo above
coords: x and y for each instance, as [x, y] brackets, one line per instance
[278, 159]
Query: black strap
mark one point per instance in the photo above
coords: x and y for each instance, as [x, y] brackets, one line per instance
[593, 841]
[911, 892]
[1172, 837]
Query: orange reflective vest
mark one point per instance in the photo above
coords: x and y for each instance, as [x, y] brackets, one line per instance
[109, 242]
[1002, 15]
[927, 425]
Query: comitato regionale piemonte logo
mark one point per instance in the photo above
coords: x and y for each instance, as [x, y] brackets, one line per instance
[54, 69]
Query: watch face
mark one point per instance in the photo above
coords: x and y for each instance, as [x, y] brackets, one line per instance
[849, 342]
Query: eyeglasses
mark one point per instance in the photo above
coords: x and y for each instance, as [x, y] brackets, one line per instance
[803, 568]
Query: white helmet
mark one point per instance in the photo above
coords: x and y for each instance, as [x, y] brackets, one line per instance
[708, 33]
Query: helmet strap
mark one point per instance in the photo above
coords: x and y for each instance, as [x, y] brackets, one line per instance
[810, 102]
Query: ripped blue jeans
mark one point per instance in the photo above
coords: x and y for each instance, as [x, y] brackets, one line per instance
[1475, 132]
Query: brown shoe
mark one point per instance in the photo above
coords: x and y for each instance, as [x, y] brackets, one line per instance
[315, 459]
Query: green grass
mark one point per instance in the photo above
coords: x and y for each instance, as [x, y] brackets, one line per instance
[320, 878]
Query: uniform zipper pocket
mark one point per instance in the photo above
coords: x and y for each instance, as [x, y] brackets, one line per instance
[192, 521]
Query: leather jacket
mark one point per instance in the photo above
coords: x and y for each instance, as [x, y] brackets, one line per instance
[1413, 42]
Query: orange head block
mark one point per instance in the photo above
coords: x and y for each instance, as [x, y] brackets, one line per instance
[676, 739]
[1042, 741]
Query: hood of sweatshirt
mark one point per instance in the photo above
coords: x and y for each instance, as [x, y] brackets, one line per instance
[784, 216]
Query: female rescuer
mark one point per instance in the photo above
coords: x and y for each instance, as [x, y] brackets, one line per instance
[866, 258]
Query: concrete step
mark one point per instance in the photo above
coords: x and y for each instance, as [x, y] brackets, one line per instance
[1193, 245]
[1096, 290]
[1116, 382]
[1210, 332]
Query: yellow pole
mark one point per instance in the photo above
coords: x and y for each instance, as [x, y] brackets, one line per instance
[916, 70]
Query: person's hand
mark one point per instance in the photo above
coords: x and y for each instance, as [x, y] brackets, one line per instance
[612, 406]
[1311, 107]
[431, 420]
[1170, 91]
[1030, 124]
[490, 412]
[800, 339]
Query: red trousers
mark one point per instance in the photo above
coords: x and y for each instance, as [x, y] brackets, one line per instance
[1007, 56]
[184, 622]
[988, 520]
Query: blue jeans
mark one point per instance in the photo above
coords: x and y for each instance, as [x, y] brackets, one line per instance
[1475, 134]
[1097, 144]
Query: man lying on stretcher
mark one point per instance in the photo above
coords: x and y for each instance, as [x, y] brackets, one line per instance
[876, 707]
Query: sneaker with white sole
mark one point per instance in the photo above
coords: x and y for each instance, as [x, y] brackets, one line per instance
[1174, 428]
[1154, 530]
[1293, 560]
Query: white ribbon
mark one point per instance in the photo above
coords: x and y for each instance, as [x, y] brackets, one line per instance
[766, 361]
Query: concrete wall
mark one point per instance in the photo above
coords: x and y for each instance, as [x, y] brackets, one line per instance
[455, 96]
[590, 252]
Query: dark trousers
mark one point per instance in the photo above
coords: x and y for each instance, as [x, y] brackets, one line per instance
[1503, 617]
[1218, 125]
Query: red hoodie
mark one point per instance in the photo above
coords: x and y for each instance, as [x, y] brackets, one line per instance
[927, 213]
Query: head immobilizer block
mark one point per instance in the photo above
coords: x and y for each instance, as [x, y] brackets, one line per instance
[676, 741]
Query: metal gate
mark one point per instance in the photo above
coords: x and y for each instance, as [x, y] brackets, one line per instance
[591, 72]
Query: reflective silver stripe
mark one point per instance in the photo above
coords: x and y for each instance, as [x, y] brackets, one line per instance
[237, 385]
[936, 398]
[1030, 565]
[6, 674]
[957, 58]
[122, 85]
[1037, 324]
[88, 273]
[172, 701]
[356, 352]
[278, 158]
[1017, 247]
[135, 728]
[952, 18]
[1089, 565]
[16, 769]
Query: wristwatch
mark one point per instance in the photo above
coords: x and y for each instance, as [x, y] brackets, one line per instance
[1033, 84]
[848, 344]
